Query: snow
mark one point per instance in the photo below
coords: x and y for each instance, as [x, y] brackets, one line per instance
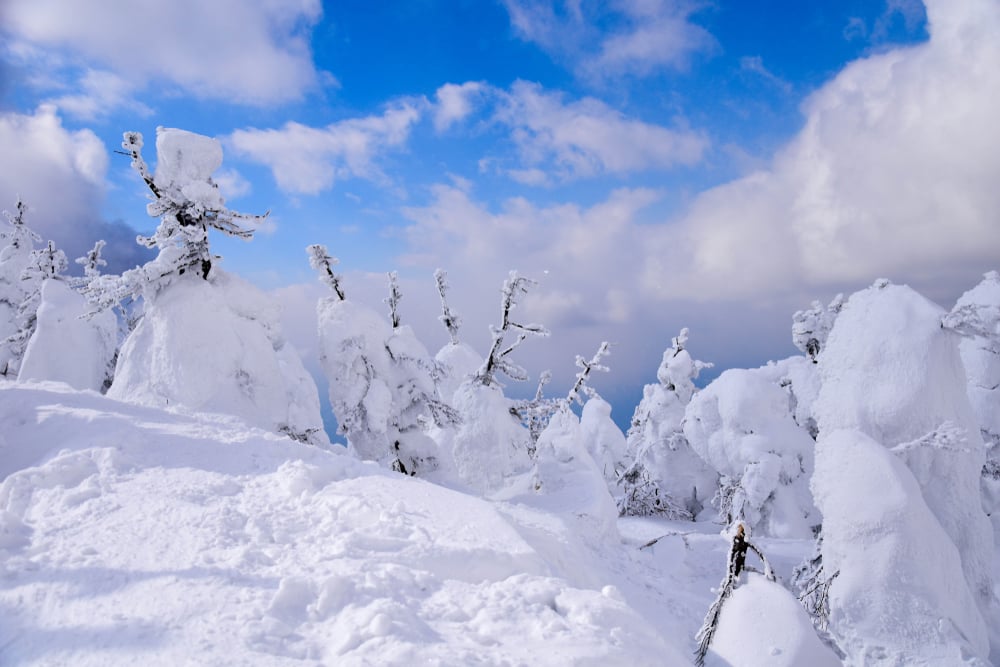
[66, 346]
[900, 595]
[216, 346]
[742, 426]
[134, 535]
[185, 162]
[892, 372]
[763, 624]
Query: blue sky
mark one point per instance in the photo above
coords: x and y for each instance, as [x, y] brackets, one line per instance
[653, 163]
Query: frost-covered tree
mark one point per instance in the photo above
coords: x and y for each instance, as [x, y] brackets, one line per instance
[498, 361]
[44, 264]
[491, 444]
[382, 379]
[898, 468]
[17, 242]
[660, 473]
[976, 317]
[743, 427]
[810, 328]
[457, 360]
[207, 340]
[188, 203]
[69, 343]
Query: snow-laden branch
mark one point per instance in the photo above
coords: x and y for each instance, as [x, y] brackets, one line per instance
[514, 287]
[322, 262]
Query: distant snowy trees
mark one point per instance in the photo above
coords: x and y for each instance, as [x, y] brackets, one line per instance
[661, 473]
[17, 242]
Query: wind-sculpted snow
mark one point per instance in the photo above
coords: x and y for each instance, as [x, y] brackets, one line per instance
[133, 535]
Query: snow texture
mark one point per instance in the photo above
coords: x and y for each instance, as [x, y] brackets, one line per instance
[763, 624]
[900, 596]
[131, 535]
[742, 426]
[216, 346]
[68, 347]
[893, 373]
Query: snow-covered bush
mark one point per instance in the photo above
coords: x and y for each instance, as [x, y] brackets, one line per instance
[208, 341]
[602, 437]
[660, 473]
[893, 373]
[742, 426]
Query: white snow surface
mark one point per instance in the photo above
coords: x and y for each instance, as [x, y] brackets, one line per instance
[66, 346]
[892, 372]
[763, 624]
[216, 346]
[900, 597]
[133, 535]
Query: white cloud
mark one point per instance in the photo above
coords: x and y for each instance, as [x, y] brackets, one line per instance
[102, 93]
[600, 40]
[60, 176]
[308, 160]
[246, 52]
[895, 173]
[587, 137]
[455, 103]
[755, 65]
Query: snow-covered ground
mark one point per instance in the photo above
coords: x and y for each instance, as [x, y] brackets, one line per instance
[135, 535]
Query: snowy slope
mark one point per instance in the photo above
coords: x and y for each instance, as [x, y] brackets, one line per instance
[133, 535]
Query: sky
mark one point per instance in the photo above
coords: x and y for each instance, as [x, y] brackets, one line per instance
[653, 164]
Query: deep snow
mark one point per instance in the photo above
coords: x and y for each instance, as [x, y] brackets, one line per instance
[137, 535]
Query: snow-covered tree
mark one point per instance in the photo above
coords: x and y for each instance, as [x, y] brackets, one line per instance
[17, 243]
[893, 379]
[742, 426]
[660, 473]
[490, 445]
[44, 264]
[497, 361]
[382, 379]
[207, 340]
[810, 328]
[188, 203]
[976, 316]
[457, 360]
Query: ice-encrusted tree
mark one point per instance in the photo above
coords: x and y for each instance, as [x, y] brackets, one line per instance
[896, 425]
[382, 379]
[188, 203]
[68, 343]
[457, 360]
[44, 264]
[976, 317]
[17, 241]
[811, 327]
[491, 444]
[660, 473]
[207, 341]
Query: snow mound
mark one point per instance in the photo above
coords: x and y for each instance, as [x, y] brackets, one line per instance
[763, 624]
[900, 597]
[131, 535]
[216, 346]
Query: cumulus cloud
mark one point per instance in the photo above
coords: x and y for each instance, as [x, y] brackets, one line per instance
[635, 37]
[894, 174]
[100, 93]
[60, 176]
[254, 53]
[307, 160]
[455, 102]
[587, 137]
